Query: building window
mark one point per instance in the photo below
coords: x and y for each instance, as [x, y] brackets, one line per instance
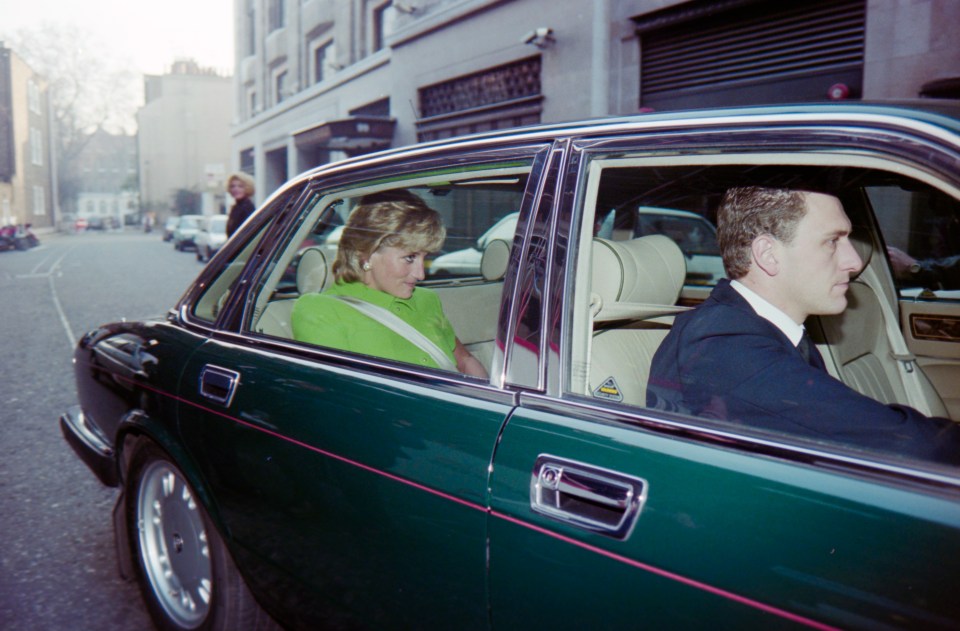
[250, 28]
[276, 17]
[252, 109]
[39, 201]
[33, 96]
[498, 98]
[246, 161]
[36, 146]
[497, 85]
[383, 17]
[280, 86]
[323, 60]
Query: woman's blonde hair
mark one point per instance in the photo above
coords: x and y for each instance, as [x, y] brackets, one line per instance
[411, 226]
[243, 178]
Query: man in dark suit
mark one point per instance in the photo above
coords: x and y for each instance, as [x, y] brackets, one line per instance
[744, 356]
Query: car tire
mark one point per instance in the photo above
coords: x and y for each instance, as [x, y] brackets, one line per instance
[186, 575]
[199, 256]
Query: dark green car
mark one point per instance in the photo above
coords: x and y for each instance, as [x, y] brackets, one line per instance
[264, 480]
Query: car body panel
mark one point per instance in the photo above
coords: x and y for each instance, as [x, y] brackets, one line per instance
[697, 496]
[376, 481]
[359, 492]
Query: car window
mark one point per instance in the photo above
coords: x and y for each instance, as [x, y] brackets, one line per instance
[921, 226]
[467, 281]
[648, 254]
[209, 303]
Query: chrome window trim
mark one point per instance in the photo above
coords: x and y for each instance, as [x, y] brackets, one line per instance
[750, 441]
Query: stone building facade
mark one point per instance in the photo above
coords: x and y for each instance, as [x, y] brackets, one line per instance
[319, 80]
[27, 189]
[183, 139]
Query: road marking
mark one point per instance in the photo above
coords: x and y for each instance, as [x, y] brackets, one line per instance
[63, 316]
[56, 299]
[56, 265]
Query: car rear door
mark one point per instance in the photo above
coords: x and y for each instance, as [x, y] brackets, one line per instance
[354, 489]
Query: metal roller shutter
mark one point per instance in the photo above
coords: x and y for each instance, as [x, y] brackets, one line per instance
[752, 52]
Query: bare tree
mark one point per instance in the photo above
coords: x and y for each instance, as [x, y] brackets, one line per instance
[88, 89]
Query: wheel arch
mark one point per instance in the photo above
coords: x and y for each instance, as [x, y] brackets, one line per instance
[136, 429]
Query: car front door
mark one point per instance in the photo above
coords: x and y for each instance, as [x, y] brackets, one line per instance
[606, 514]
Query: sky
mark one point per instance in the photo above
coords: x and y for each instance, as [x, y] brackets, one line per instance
[147, 35]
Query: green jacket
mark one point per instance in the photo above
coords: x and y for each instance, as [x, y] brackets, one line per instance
[325, 321]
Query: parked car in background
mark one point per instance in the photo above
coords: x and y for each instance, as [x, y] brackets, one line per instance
[169, 226]
[466, 261]
[260, 475]
[185, 233]
[212, 235]
[695, 234]
[96, 222]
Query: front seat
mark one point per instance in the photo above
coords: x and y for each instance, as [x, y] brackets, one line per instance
[634, 289]
[867, 346]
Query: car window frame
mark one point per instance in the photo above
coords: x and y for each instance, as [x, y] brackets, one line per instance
[397, 169]
[753, 144]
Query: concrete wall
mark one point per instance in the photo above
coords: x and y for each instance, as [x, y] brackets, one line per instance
[591, 69]
[183, 130]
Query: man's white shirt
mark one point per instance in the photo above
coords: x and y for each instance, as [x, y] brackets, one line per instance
[767, 311]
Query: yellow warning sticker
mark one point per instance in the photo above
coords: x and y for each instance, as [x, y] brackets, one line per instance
[608, 390]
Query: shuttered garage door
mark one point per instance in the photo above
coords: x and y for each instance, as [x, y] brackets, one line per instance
[740, 53]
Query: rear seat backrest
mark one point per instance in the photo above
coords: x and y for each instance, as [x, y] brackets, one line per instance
[313, 275]
[636, 282]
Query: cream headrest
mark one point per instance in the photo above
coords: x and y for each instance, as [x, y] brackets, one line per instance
[312, 271]
[496, 256]
[645, 271]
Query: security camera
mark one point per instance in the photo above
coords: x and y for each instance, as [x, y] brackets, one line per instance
[541, 37]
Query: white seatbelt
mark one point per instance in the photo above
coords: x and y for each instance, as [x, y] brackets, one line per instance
[401, 328]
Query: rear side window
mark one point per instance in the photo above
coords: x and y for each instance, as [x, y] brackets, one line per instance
[479, 207]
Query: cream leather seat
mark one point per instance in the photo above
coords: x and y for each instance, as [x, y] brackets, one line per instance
[634, 290]
[313, 275]
[867, 348]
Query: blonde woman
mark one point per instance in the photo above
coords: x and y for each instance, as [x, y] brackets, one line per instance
[379, 262]
[240, 187]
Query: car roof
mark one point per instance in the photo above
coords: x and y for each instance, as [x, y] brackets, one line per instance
[876, 113]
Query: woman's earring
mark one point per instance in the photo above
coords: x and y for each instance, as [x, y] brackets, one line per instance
[366, 266]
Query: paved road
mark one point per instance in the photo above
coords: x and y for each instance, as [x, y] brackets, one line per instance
[57, 559]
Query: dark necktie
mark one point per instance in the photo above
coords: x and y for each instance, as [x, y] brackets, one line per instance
[809, 352]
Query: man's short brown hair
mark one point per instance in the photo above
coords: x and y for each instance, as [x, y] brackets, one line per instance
[746, 213]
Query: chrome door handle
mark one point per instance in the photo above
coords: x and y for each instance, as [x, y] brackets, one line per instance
[218, 384]
[597, 499]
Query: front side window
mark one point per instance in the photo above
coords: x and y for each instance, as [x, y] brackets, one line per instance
[649, 254]
[449, 289]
